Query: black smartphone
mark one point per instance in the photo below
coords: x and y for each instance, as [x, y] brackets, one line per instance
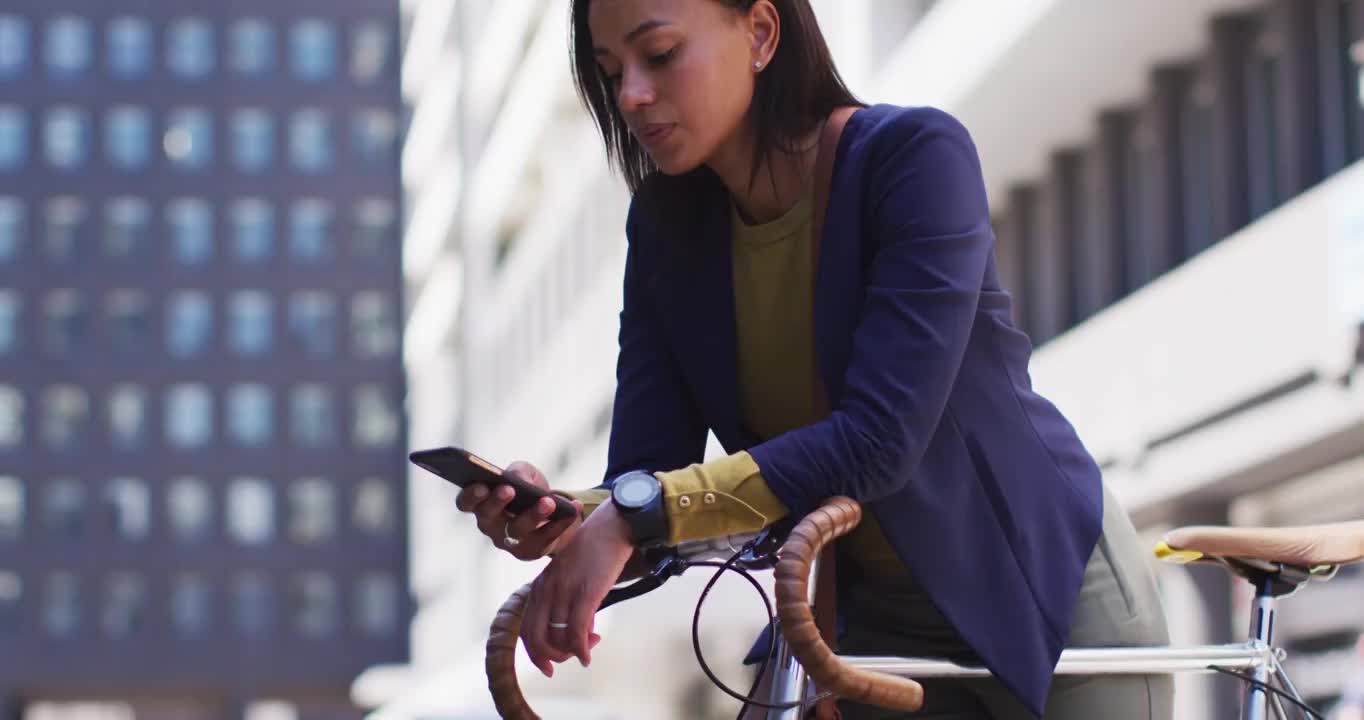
[464, 468]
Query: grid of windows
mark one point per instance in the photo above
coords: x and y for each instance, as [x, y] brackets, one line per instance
[315, 54]
[120, 509]
[183, 142]
[69, 416]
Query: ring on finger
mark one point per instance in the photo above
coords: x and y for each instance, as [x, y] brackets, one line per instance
[507, 539]
[558, 625]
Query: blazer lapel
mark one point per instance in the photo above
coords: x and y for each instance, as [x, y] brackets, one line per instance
[699, 298]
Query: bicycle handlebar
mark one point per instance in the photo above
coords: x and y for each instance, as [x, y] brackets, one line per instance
[835, 518]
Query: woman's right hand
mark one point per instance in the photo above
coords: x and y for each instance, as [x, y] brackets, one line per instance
[533, 537]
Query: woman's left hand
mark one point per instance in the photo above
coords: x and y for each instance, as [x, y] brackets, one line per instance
[571, 587]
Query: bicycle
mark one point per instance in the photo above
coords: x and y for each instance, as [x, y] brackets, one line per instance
[1277, 561]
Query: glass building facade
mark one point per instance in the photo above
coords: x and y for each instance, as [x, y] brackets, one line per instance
[201, 425]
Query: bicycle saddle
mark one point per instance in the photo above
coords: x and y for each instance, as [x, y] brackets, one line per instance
[1307, 546]
[1277, 560]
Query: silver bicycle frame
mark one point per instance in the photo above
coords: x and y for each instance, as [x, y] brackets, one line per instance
[790, 683]
[1256, 658]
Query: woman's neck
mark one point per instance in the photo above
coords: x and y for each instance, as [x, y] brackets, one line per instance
[777, 185]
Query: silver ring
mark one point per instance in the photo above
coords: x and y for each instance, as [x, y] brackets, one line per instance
[508, 540]
[559, 626]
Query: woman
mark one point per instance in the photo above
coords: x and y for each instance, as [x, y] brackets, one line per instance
[872, 357]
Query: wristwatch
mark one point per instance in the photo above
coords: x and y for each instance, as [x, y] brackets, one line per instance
[638, 496]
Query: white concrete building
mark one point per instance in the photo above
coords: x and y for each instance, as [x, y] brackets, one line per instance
[1196, 292]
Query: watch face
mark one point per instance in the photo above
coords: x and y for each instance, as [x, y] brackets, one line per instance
[636, 490]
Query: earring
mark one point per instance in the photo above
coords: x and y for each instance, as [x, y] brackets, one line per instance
[757, 65]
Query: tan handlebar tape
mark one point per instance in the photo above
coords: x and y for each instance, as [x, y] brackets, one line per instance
[835, 518]
[501, 659]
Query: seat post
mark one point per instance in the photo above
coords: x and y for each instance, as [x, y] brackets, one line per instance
[1261, 635]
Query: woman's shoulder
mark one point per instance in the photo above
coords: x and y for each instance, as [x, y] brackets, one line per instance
[885, 128]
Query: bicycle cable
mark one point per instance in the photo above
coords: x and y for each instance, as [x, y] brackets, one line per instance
[747, 700]
[1261, 685]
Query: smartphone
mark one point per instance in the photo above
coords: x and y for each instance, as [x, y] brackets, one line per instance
[464, 468]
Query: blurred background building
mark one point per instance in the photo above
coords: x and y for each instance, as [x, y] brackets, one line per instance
[201, 473]
[1180, 212]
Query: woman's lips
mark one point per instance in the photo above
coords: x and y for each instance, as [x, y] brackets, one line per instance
[655, 133]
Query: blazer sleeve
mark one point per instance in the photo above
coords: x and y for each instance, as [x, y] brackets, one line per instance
[932, 239]
[655, 424]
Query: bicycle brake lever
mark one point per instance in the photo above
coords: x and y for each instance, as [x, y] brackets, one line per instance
[668, 565]
[761, 553]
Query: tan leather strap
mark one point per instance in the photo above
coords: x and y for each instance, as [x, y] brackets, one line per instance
[826, 585]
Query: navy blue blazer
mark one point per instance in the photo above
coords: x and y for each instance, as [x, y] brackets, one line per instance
[980, 485]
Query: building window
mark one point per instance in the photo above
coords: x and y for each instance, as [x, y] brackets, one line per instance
[310, 231]
[374, 326]
[312, 50]
[65, 508]
[251, 323]
[14, 50]
[10, 306]
[312, 322]
[66, 137]
[13, 137]
[189, 324]
[375, 418]
[66, 49]
[189, 139]
[250, 511]
[12, 227]
[11, 594]
[65, 226]
[127, 223]
[127, 508]
[129, 322]
[189, 509]
[190, 224]
[253, 140]
[250, 415]
[61, 604]
[253, 230]
[370, 48]
[312, 511]
[125, 605]
[252, 604]
[11, 417]
[64, 321]
[128, 138]
[373, 513]
[374, 134]
[1263, 99]
[128, 417]
[312, 416]
[129, 47]
[1349, 28]
[11, 508]
[189, 48]
[313, 600]
[189, 416]
[66, 417]
[376, 604]
[373, 228]
[189, 604]
[251, 47]
[310, 141]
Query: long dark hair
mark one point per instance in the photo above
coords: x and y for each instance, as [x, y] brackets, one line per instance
[795, 92]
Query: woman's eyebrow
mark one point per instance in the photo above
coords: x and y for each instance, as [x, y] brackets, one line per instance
[630, 37]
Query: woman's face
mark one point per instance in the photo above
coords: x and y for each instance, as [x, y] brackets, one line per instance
[681, 72]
